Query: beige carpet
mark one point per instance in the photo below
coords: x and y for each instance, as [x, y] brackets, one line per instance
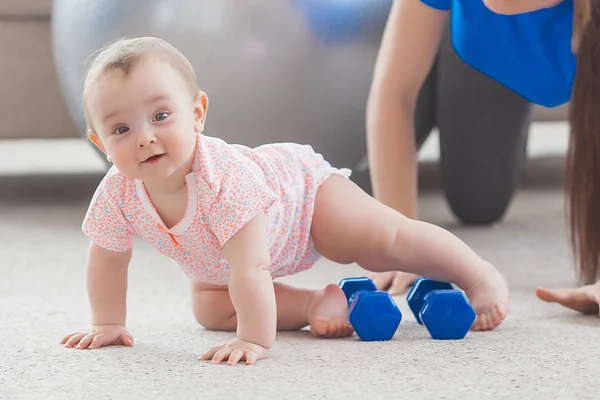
[540, 352]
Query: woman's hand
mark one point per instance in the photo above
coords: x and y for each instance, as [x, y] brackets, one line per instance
[584, 299]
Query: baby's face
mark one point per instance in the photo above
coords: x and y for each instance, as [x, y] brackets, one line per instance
[511, 7]
[146, 121]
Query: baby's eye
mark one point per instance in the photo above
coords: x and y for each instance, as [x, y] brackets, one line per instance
[160, 116]
[121, 130]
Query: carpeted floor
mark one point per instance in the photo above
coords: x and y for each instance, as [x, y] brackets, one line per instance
[541, 351]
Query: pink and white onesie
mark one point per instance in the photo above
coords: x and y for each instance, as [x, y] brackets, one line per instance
[228, 185]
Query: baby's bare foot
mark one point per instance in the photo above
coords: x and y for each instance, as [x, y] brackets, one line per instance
[490, 299]
[584, 299]
[328, 313]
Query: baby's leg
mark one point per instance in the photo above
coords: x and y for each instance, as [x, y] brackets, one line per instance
[296, 308]
[350, 226]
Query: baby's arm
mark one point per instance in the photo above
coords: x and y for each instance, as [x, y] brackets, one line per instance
[252, 294]
[107, 292]
[107, 285]
[250, 283]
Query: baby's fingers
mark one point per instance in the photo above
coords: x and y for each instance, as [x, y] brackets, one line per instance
[250, 358]
[210, 353]
[103, 339]
[73, 340]
[67, 337]
[236, 355]
[98, 341]
[127, 339]
[85, 342]
[221, 355]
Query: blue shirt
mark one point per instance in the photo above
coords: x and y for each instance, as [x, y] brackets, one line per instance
[528, 53]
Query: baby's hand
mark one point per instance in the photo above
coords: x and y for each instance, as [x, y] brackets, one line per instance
[98, 336]
[235, 351]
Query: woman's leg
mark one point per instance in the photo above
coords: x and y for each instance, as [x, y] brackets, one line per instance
[350, 226]
[483, 139]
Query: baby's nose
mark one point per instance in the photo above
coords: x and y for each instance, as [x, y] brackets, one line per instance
[146, 138]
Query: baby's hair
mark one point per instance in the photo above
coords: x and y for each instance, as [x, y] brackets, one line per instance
[124, 53]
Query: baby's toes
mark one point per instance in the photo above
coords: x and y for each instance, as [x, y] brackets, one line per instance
[333, 330]
[342, 330]
[490, 320]
[348, 330]
[497, 316]
[338, 329]
[480, 323]
[319, 328]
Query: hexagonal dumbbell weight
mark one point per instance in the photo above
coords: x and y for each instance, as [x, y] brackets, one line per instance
[374, 314]
[445, 312]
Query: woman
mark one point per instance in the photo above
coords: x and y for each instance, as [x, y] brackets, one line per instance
[546, 51]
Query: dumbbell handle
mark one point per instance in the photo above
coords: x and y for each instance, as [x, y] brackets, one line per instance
[353, 296]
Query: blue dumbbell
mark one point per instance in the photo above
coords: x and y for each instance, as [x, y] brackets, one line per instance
[374, 315]
[445, 312]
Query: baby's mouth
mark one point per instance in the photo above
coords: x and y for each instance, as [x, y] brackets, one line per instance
[154, 158]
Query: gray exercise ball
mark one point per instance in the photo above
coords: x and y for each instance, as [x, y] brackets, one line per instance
[274, 70]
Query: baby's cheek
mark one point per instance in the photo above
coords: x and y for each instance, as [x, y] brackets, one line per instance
[181, 143]
[125, 161]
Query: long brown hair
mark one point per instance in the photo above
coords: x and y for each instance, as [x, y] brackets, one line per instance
[583, 158]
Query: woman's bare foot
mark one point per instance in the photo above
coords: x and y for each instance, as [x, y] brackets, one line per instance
[395, 282]
[328, 313]
[490, 299]
[584, 299]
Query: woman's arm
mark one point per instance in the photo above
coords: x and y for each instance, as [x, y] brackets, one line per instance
[408, 48]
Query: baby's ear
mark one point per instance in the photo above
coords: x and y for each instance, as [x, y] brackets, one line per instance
[94, 138]
[200, 110]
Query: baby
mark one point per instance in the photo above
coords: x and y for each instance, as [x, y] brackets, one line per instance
[234, 218]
